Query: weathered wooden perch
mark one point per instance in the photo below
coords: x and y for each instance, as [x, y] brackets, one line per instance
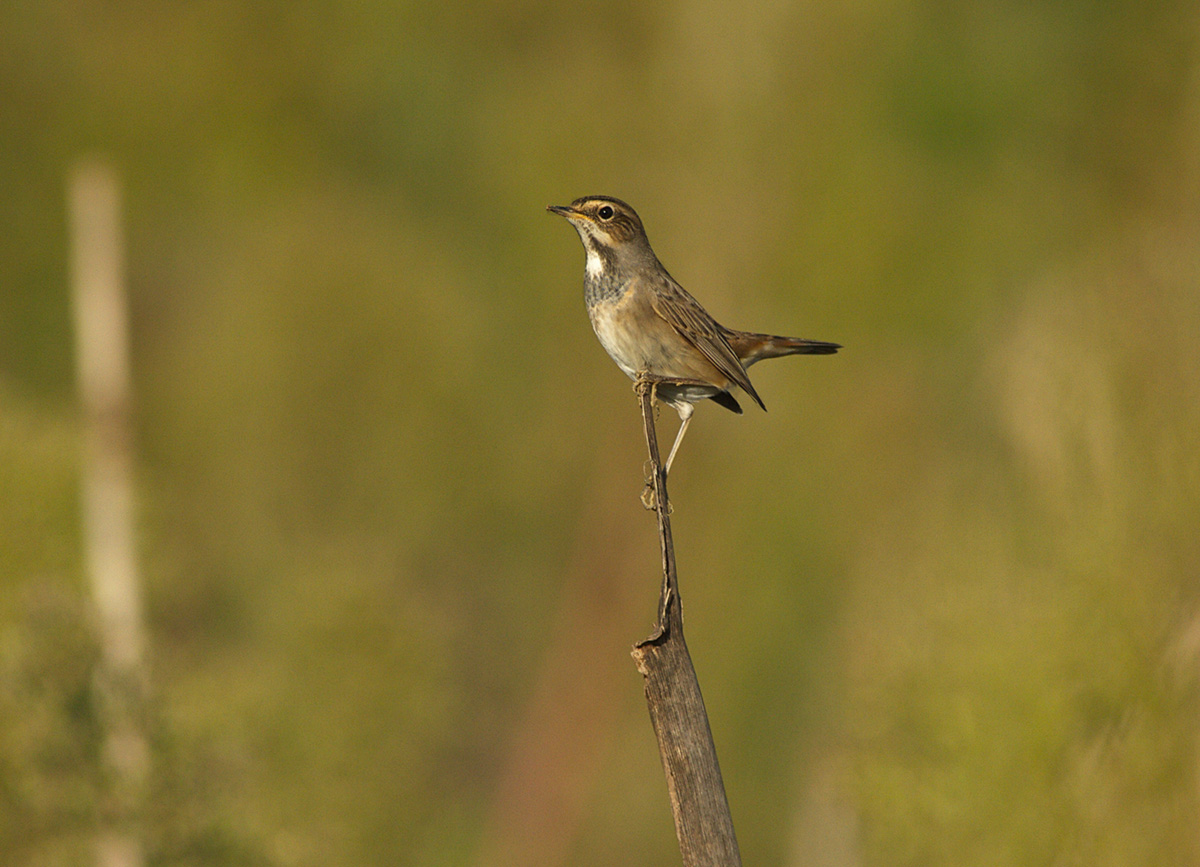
[703, 822]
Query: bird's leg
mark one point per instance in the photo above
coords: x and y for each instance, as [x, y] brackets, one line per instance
[648, 493]
[645, 380]
[678, 439]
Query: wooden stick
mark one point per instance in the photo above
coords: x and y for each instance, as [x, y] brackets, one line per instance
[703, 822]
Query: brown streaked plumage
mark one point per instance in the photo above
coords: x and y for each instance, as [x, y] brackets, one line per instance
[652, 327]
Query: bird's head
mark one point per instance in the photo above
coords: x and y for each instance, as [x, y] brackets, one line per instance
[608, 227]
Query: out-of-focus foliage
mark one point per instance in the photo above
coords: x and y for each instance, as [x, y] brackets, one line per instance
[942, 598]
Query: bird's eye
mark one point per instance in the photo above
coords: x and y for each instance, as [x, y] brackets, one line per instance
[605, 213]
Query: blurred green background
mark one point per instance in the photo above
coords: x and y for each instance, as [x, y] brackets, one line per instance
[942, 598]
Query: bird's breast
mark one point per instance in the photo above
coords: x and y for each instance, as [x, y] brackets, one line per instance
[611, 322]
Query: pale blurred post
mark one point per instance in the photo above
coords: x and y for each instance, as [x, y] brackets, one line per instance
[102, 358]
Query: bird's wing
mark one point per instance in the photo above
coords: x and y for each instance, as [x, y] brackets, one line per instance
[685, 315]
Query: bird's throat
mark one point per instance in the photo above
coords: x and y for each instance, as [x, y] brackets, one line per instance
[601, 275]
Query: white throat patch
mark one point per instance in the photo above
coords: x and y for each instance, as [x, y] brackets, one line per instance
[595, 265]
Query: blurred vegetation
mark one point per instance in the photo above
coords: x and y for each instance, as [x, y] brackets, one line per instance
[942, 598]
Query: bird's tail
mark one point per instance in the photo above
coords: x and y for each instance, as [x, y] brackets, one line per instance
[751, 347]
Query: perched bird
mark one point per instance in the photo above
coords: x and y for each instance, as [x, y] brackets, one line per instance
[652, 328]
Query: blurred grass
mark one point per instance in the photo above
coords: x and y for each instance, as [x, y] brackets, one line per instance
[941, 597]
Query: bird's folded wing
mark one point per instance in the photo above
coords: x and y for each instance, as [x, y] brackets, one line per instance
[685, 315]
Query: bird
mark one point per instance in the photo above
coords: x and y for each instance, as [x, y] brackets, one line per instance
[653, 329]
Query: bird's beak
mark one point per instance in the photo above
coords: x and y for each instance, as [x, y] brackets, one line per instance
[565, 211]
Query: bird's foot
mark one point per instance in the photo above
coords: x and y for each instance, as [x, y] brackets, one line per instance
[645, 381]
